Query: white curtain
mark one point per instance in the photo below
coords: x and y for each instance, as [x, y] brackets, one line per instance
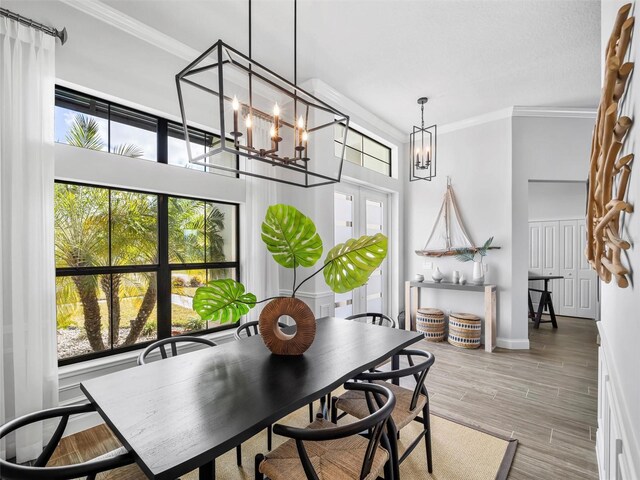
[261, 269]
[28, 364]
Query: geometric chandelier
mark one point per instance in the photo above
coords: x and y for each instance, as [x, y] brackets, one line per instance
[268, 127]
[422, 148]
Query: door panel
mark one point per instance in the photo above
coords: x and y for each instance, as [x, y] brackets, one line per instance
[587, 301]
[565, 300]
[361, 211]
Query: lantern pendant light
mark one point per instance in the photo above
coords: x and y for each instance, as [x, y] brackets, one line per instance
[422, 143]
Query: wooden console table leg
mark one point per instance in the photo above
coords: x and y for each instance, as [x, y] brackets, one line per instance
[411, 299]
[489, 319]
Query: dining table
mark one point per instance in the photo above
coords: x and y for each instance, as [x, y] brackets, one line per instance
[177, 415]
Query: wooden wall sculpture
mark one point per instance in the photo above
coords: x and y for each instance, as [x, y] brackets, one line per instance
[606, 204]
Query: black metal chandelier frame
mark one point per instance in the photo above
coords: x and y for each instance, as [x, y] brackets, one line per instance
[297, 160]
[422, 154]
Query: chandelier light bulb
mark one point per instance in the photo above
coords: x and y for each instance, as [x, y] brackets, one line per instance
[235, 104]
[301, 122]
[276, 110]
[305, 136]
[247, 121]
[272, 132]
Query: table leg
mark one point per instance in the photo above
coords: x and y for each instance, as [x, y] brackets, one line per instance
[207, 471]
[532, 314]
[489, 319]
[395, 365]
[552, 312]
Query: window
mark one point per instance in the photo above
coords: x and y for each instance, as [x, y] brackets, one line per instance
[128, 264]
[363, 151]
[88, 122]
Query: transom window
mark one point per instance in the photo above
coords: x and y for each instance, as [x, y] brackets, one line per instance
[363, 150]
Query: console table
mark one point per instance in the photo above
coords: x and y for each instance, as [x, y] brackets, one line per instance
[412, 303]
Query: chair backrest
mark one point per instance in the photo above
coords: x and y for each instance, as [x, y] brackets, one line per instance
[374, 319]
[173, 343]
[248, 329]
[38, 470]
[419, 372]
[380, 401]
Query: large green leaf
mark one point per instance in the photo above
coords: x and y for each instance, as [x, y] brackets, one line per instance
[223, 300]
[291, 237]
[349, 264]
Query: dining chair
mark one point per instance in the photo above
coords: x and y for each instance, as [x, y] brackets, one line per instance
[409, 403]
[324, 450]
[38, 469]
[374, 319]
[249, 329]
[173, 343]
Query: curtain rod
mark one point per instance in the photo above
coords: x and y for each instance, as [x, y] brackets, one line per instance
[61, 34]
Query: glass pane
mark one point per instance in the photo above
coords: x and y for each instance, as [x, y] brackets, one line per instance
[354, 139]
[353, 156]
[133, 134]
[220, 232]
[343, 305]
[177, 148]
[133, 308]
[80, 129]
[81, 226]
[81, 315]
[134, 228]
[183, 287]
[338, 133]
[376, 150]
[376, 165]
[374, 217]
[186, 230]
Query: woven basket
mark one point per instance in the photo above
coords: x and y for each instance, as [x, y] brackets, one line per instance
[464, 330]
[430, 321]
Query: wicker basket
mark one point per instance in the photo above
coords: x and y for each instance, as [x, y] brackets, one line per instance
[464, 330]
[430, 321]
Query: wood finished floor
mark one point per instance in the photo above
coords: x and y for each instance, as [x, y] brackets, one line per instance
[546, 397]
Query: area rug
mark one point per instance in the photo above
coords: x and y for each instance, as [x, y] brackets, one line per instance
[460, 452]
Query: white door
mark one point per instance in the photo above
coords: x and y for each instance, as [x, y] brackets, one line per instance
[362, 211]
[587, 280]
[557, 248]
[565, 302]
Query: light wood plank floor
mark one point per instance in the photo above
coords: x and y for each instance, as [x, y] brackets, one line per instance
[545, 397]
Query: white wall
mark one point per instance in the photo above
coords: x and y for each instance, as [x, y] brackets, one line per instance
[554, 147]
[619, 408]
[478, 160]
[557, 200]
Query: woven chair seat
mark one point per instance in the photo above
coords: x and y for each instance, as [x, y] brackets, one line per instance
[339, 459]
[355, 404]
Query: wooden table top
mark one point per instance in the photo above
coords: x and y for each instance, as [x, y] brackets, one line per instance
[180, 413]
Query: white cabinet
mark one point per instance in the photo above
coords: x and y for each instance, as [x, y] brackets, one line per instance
[557, 248]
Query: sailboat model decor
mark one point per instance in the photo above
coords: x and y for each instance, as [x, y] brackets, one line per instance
[448, 236]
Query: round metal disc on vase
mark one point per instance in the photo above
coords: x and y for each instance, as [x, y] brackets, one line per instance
[275, 339]
[430, 321]
[464, 330]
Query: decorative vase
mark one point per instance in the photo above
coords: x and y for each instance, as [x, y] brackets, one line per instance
[463, 280]
[418, 277]
[456, 276]
[437, 275]
[275, 339]
[478, 273]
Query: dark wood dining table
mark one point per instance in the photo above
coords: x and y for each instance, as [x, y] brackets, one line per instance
[179, 414]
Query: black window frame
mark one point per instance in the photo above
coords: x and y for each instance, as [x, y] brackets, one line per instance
[338, 140]
[91, 105]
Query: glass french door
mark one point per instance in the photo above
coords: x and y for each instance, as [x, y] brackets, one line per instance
[361, 211]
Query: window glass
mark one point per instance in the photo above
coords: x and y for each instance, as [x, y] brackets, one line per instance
[220, 232]
[362, 150]
[81, 121]
[81, 216]
[177, 147]
[133, 134]
[376, 150]
[134, 228]
[376, 165]
[186, 230]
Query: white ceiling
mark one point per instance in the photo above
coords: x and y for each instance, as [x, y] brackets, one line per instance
[470, 57]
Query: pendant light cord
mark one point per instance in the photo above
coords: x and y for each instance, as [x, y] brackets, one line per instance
[295, 42]
[422, 115]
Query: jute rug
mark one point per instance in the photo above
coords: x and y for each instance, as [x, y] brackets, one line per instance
[459, 452]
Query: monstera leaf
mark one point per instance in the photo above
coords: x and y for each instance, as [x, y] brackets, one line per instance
[223, 300]
[291, 237]
[349, 264]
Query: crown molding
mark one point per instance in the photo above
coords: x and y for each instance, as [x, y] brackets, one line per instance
[477, 120]
[555, 112]
[130, 25]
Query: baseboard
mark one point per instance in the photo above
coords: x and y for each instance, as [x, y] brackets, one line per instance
[513, 344]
